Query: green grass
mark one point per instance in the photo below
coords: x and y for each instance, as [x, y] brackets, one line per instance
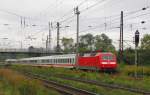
[93, 88]
[121, 78]
[12, 83]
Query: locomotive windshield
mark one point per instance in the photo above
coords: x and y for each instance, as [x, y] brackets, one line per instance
[107, 57]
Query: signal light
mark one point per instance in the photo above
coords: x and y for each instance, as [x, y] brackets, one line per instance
[137, 38]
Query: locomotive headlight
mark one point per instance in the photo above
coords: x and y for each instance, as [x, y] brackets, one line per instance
[104, 62]
[112, 62]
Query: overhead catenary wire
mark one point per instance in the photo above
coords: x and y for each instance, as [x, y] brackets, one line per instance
[111, 23]
[83, 9]
[98, 2]
[117, 15]
[117, 19]
[11, 13]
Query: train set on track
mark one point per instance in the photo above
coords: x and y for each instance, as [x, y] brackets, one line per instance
[96, 61]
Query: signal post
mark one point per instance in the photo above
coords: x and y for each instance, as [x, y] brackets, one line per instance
[136, 52]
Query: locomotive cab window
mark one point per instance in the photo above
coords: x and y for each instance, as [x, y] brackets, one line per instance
[107, 57]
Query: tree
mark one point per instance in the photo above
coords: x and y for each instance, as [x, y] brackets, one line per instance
[102, 42]
[31, 48]
[86, 42]
[145, 49]
[68, 45]
[89, 42]
[145, 42]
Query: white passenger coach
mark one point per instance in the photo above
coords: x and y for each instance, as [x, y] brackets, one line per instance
[67, 60]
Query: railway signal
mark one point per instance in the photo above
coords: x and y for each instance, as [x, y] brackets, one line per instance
[137, 38]
[136, 47]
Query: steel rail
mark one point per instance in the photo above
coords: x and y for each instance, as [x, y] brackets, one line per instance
[98, 83]
[65, 89]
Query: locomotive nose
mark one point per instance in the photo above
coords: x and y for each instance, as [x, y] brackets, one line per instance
[108, 62]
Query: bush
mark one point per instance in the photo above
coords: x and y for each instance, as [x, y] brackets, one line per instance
[143, 56]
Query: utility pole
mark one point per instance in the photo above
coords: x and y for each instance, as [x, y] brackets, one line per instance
[21, 30]
[49, 45]
[121, 37]
[77, 12]
[58, 47]
[24, 22]
[46, 43]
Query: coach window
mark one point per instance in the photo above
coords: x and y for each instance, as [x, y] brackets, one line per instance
[62, 60]
[51, 60]
[73, 61]
[54, 61]
[42, 61]
[58, 61]
[47, 61]
[69, 60]
[66, 60]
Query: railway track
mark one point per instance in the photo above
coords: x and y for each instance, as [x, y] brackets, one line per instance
[114, 86]
[64, 89]
[97, 83]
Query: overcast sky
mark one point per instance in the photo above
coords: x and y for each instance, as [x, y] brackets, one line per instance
[96, 17]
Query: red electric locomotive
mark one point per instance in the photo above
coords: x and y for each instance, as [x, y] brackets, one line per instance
[100, 61]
